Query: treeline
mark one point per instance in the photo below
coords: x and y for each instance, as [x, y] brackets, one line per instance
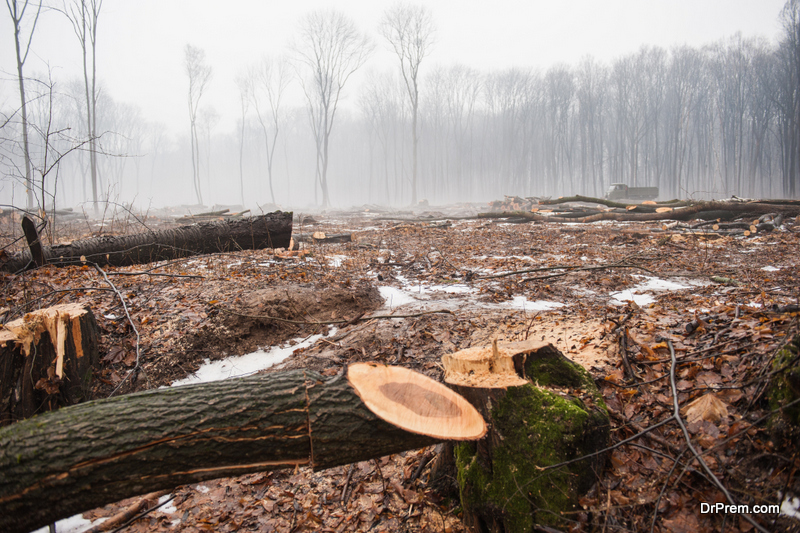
[715, 121]
[718, 121]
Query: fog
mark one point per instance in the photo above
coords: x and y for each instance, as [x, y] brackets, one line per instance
[523, 100]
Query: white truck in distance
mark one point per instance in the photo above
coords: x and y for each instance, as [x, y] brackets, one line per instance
[620, 191]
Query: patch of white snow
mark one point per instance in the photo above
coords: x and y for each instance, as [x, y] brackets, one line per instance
[245, 365]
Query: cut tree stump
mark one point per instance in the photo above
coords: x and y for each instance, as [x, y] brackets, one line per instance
[46, 360]
[542, 410]
[81, 457]
[272, 230]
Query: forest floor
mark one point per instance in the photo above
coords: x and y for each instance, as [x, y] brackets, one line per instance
[608, 295]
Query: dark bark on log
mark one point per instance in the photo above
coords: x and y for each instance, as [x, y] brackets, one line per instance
[444, 476]
[272, 230]
[81, 457]
[34, 245]
[32, 378]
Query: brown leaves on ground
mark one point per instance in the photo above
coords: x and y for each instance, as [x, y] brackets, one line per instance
[734, 329]
[369, 496]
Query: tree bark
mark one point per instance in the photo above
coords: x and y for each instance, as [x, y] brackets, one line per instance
[81, 457]
[46, 360]
[272, 230]
[34, 244]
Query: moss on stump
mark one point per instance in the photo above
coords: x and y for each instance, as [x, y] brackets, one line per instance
[785, 385]
[558, 416]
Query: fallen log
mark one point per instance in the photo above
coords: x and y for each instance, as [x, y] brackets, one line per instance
[700, 210]
[272, 230]
[81, 457]
[610, 203]
[211, 215]
[46, 359]
[542, 410]
[319, 237]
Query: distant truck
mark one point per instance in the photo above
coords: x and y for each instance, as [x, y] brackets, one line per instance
[620, 191]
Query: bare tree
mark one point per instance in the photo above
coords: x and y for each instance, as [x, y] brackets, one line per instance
[331, 48]
[199, 74]
[382, 104]
[244, 102]
[17, 13]
[268, 81]
[208, 120]
[409, 29]
[789, 99]
[83, 15]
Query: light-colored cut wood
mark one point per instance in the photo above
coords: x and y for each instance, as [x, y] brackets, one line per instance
[489, 367]
[415, 402]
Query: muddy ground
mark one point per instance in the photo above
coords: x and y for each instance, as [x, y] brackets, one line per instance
[597, 291]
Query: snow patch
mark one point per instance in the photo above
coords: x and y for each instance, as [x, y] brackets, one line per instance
[790, 506]
[337, 260]
[771, 268]
[640, 294]
[245, 365]
[522, 302]
[395, 297]
[620, 297]
[73, 524]
[168, 507]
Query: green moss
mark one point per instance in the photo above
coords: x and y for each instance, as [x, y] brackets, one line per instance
[548, 367]
[785, 386]
[534, 428]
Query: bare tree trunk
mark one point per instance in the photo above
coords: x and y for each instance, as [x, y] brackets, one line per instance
[17, 15]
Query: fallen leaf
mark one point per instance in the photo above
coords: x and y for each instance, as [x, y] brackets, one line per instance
[707, 407]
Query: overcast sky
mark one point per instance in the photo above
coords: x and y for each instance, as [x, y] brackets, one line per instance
[140, 49]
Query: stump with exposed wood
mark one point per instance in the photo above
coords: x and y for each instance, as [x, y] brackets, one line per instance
[81, 457]
[46, 360]
[542, 410]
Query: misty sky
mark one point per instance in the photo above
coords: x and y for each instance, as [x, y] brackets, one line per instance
[140, 49]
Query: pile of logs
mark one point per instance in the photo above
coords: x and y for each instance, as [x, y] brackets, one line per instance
[222, 214]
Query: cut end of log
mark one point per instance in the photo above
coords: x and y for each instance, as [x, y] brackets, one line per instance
[415, 402]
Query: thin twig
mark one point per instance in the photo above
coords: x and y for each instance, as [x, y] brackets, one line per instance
[143, 514]
[677, 417]
[155, 274]
[567, 268]
[135, 330]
